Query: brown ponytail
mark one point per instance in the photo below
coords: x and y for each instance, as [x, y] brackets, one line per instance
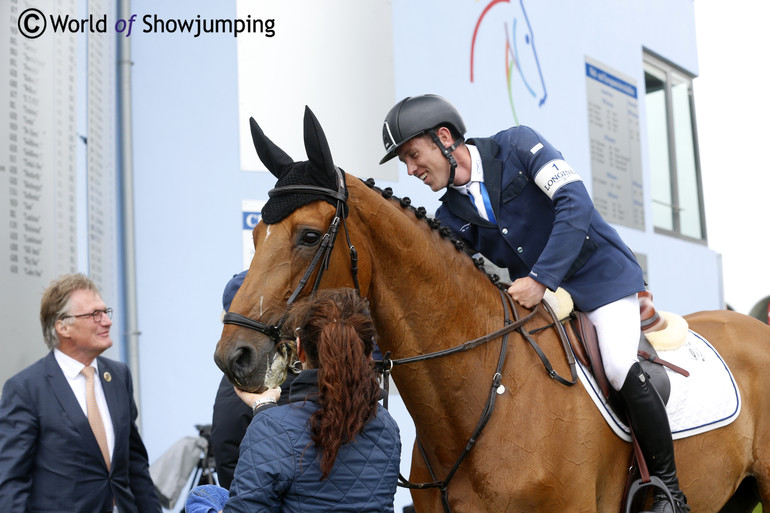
[337, 335]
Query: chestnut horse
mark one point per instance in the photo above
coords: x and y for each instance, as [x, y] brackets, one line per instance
[545, 446]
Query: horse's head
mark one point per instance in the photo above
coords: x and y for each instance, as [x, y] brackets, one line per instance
[293, 244]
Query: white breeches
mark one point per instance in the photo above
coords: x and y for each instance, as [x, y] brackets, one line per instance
[618, 329]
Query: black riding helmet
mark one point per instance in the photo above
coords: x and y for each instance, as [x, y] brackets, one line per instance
[417, 115]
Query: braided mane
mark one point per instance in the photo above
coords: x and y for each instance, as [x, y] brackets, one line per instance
[435, 224]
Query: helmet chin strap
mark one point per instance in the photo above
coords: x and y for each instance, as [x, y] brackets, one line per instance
[447, 152]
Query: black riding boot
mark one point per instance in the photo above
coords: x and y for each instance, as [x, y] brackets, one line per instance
[648, 418]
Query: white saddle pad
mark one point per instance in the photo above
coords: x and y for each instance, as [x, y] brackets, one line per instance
[708, 399]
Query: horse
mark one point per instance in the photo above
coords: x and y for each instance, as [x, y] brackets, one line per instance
[545, 447]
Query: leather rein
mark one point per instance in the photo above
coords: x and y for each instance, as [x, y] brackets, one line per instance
[386, 365]
[322, 256]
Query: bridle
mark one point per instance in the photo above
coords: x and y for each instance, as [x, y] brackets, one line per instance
[322, 255]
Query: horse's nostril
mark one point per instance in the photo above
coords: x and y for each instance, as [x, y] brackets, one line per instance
[243, 360]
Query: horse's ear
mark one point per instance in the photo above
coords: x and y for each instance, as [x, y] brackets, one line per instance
[316, 145]
[274, 158]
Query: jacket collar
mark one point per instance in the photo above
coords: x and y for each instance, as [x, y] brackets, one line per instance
[304, 387]
[458, 203]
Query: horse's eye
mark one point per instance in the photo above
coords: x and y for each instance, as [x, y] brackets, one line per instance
[310, 238]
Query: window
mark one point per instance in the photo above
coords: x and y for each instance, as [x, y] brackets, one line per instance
[677, 199]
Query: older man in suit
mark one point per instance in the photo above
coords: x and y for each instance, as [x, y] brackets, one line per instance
[68, 435]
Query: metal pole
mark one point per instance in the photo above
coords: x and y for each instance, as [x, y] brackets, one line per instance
[127, 168]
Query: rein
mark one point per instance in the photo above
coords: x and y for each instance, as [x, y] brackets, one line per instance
[495, 389]
[386, 365]
[323, 254]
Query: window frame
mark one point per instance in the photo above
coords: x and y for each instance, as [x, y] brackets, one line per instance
[658, 64]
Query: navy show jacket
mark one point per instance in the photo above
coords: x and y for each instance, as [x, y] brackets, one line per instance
[547, 226]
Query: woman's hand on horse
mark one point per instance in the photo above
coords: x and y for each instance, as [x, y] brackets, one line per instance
[250, 397]
[527, 292]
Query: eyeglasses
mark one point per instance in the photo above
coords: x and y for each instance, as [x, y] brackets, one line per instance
[96, 315]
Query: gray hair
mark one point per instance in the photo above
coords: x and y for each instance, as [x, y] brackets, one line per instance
[55, 303]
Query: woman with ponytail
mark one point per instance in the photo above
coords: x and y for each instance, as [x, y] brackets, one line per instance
[333, 447]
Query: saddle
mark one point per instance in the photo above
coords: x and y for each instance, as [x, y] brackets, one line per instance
[585, 345]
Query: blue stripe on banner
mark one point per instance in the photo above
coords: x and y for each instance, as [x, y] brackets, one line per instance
[610, 80]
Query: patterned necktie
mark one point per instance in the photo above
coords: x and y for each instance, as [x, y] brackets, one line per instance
[94, 417]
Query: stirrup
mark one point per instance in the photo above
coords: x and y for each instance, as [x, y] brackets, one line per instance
[655, 482]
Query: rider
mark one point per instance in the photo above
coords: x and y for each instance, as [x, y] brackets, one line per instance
[529, 211]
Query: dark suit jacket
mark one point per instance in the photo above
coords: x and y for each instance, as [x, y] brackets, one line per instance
[49, 457]
[230, 419]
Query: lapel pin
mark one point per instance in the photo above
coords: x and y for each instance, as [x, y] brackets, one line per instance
[107, 377]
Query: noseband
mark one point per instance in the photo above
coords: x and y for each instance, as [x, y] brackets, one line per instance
[323, 254]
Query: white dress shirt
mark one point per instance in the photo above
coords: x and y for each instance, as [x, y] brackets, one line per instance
[71, 369]
[472, 189]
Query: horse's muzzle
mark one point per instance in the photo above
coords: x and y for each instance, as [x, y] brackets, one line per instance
[241, 366]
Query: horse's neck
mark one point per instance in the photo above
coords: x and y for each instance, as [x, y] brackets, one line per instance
[425, 294]
[421, 286]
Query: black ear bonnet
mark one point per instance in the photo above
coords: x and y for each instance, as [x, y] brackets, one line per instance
[318, 171]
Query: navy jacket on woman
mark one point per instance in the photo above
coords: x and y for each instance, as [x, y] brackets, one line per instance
[547, 227]
[278, 468]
